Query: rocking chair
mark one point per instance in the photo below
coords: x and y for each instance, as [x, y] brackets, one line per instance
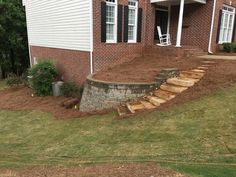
[164, 38]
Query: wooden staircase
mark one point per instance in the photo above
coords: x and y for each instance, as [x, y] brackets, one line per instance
[166, 92]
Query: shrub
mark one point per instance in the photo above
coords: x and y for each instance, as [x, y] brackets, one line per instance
[25, 79]
[234, 47]
[14, 80]
[43, 74]
[70, 89]
[228, 47]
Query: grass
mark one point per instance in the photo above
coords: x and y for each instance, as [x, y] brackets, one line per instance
[197, 138]
[2, 85]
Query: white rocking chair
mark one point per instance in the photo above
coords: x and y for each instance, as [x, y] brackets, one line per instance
[164, 38]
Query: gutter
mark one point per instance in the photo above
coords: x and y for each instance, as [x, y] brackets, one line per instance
[212, 27]
[28, 36]
[91, 35]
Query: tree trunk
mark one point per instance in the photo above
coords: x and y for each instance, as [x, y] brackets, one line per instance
[1, 74]
[13, 66]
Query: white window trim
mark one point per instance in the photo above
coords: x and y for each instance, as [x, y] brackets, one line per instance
[115, 4]
[233, 21]
[136, 23]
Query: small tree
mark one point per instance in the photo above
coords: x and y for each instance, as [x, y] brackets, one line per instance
[43, 74]
[14, 56]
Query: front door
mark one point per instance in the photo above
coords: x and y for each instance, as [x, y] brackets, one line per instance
[161, 20]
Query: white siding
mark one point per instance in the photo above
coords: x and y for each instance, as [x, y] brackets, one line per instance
[62, 24]
[23, 2]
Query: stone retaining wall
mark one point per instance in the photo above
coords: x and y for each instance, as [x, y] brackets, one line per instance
[99, 95]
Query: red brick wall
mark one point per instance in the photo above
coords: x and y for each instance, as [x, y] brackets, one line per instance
[73, 65]
[196, 24]
[218, 7]
[106, 55]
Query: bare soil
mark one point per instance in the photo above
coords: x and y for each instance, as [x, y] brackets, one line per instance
[220, 75]
[144, 69]
[19, 98]
[127, 170]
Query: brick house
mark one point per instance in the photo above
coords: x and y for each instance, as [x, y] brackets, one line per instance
[85, 36]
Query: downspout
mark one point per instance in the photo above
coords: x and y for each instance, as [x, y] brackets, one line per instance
[91, 36]
[28, 36]
[212, 27]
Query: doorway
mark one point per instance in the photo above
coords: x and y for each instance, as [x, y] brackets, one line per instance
[162, 20]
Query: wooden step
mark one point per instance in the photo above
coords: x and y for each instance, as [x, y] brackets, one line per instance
[180, 82]
[202, 68]
[198, 70]
[190, 79]
[155, 100]
[164, 95]
[193, 73]
[172, 88]
[190, 74]
[135, 107]
[123, 110]
[206, 65]
[208, 62]
[148, 105]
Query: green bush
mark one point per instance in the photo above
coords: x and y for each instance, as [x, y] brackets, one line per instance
[43, 74]
[228, 47]
[70, 89]
[234, 47]
[14, 80]
[25, 79]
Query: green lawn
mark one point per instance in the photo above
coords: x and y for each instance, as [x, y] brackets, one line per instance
[198, 138]
[2, 85]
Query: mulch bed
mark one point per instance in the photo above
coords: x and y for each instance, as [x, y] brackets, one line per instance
[127, 170]
[144, 69]
[221, 75]
[20, 98]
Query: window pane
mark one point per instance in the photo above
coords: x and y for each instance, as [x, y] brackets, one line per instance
[110, 14]
[110, 31]
[132, 16]
[131, 33]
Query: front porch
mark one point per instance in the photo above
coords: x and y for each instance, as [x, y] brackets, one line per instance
[174, 18]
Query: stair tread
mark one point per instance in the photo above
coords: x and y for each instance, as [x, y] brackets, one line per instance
[134, 107]
[123, 110]
[165, 95]
[180, 82]
[198, 70]
[155, 100]
[208, 62]
[148, 105]
[190, 79]
[202, 68]
[173, 88]
[192, 74]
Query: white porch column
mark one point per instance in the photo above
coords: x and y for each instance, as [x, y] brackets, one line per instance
[180, 24]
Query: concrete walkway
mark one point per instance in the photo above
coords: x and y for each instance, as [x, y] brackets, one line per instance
[218, 57]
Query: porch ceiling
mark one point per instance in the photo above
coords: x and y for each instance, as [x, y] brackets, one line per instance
[176, 2]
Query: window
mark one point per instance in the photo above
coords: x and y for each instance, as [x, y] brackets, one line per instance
[227, 24]
[111, 21]
[132, 21]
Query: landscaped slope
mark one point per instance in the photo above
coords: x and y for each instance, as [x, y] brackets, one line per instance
[197, 138]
